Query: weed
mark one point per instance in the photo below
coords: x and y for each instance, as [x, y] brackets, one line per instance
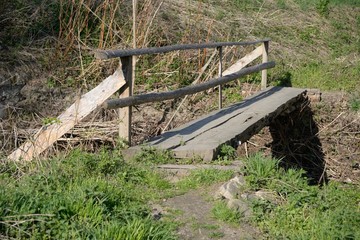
[226, 153]
[355, 102]
[214, 235]
[50, 120]
[221, 212]
[322, 7]
[259, 170]
[204, 177]
[232, 95]
[154, 156]
[281, 4]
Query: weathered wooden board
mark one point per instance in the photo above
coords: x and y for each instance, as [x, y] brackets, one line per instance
[243, 62]
[47, 135]
[237, 123]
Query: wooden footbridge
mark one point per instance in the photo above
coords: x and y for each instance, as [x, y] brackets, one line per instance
[232, 125]
[202, 137]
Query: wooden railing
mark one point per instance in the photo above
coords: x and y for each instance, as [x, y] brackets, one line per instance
[236, 71]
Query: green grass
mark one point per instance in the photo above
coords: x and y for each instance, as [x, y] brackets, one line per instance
[305, 212]
[221, 212]
[91, 196]
[355, 102]
[81, 196]
[204, 177]
[321, 75]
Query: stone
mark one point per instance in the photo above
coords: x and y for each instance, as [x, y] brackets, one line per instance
[266, 195]
[260, 195]
[231, 189]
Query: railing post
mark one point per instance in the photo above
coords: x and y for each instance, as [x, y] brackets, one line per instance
[126, 112]
[264, 60]
[220, 75]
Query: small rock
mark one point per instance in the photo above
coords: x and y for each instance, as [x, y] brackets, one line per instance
[348, 180]
[261, 194]
[231, 189]
[266, 195]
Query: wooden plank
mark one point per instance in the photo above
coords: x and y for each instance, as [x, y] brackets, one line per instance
[106, 54]
[125, 114]
[153, 97]
[243, 62]
[265, 47]
[47, 135]
[220, 75]
[234, 166]
[236, 123]
[243, 126]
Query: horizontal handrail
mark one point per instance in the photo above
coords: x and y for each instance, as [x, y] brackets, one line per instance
[155, 97]
[107, 54]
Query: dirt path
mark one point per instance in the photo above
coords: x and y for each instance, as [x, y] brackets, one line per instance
[193, 212]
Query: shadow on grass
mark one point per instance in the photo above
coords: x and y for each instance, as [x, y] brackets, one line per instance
[296, 142]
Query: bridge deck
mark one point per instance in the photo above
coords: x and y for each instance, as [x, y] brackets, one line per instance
[237, 123]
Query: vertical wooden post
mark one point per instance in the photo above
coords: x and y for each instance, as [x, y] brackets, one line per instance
[134, 43]
[220, 75]
[264, 60]
[125, 113]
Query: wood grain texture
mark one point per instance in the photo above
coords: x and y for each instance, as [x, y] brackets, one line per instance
[47, 135]
[106, 54]
[125, 114]
[203, 137]
[243, 62]
[154, 97]
[265, 54]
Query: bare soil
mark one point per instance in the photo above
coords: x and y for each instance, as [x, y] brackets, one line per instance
[193, 212]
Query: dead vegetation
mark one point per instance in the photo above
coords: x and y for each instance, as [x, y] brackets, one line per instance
[54, 64]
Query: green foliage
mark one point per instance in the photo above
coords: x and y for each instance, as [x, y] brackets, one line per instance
[281, 4]
[305, 212]
[355, 102]
[204, 177]
[232, 95]
[50, 120]
[221, 212]
[81, 196]
[322, 7]
[313, 213]
[354, 3]
[226, 153]
[152, 155]
[258, 170]
[321, 75]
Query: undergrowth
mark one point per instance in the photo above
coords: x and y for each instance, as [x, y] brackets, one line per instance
[90, 196]
[304, 212]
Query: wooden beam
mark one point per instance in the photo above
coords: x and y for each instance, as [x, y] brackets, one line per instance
[126, 112]
[243, 62]
[220, 75]
[265, 55]
[47, 135]
[106, 54]
[154, 97]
